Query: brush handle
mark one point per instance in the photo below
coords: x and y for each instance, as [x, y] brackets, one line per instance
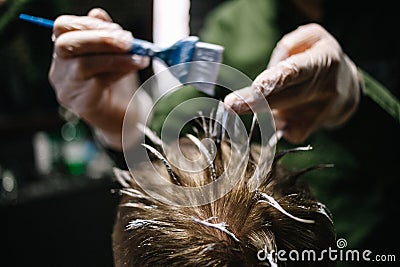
[180, 52]
[38, 21]
[183, 51]
[139, 47]
[143, 48]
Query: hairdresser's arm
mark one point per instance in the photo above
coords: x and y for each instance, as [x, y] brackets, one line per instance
[93, 76]
[310, 83]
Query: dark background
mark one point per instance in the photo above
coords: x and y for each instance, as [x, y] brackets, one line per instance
[66, 220]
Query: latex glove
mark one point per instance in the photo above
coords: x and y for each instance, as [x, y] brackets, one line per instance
[92, 74]
[309, 84]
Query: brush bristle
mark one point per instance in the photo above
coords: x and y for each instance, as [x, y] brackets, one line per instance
[203, 73]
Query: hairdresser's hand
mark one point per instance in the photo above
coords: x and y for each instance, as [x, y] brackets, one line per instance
[92, 74]
[309, 84]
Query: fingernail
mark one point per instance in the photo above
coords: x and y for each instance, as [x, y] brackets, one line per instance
[236, 103]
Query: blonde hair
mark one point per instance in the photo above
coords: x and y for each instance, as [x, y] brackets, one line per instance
[279, 215]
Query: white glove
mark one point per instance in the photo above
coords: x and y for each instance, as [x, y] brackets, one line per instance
[309, 84]
[92, 73]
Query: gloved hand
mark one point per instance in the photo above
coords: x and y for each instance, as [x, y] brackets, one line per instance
[92, 74]
[309, 84]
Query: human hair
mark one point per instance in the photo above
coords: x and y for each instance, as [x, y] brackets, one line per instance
[281, 214]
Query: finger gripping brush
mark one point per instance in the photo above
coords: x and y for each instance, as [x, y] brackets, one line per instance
[203, 74]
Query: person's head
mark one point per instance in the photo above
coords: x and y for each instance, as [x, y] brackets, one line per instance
[238, 229]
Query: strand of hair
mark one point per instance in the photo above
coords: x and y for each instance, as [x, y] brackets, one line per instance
[282, 153]
[207, 155]
[271, 201]
[150, 134]
[165, 162]
[123, 177]
[220, 226]
[253, 124]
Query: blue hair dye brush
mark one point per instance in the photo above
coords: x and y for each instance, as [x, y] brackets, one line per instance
[203, 74]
